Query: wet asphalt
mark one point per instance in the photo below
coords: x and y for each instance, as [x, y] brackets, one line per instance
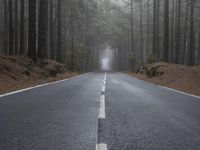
[64, 116]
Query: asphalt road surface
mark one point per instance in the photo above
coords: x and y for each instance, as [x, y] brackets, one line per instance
[111, 111]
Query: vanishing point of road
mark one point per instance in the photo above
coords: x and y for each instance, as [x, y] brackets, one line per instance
[102, 111]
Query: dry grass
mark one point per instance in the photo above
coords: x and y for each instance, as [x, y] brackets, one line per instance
[175, 76]
[20, 72]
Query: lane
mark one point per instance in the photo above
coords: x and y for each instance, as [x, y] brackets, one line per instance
[143, 116]
[55, 117]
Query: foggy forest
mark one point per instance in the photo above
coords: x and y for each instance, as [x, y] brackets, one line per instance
[76, 31]
[99, 74]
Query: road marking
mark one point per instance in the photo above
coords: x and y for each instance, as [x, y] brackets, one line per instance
[180, 92]
[105, 76]
[103, 88]
[102, 114]
[46, 84]
[101, 146]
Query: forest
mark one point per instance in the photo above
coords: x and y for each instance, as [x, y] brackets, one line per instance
[100, 74]
[74, 32]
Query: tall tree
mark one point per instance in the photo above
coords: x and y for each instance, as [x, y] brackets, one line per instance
[51, 26]
[178, 29]
[166, 31]
[158, 29]
[191, 41]
[199, 50]
[16, 49]
[154, 50]
[132, 43]
[42, 29]
[172, 35]
[59, 31]
[141, 32]
[11, 32]
[185, 32]
[148, 24]
[32, 37]
[72, 35]
[5, 3]
[22, 46]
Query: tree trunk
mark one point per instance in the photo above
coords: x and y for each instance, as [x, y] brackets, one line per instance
[154, 50]
[171, 59]
[5, 3]
[16, 29]
[158, 29]
[141, 32]
[199, 50]
[59, 31]
[191, 41]
[32, 30]
[42, 29]
[166, 30]
[72, 36]
[148, 23]
[52, 53]
[132, 46]
[185, 33]
[11, 40]
[178, 30]
[21, 47]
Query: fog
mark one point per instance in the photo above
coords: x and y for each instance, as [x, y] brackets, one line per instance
[106, 59]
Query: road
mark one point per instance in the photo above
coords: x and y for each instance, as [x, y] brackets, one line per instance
[99, 111]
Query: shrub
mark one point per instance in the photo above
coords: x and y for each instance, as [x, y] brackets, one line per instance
[132, 61]
[151, 59]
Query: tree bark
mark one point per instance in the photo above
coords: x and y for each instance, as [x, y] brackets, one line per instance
[148, 23]
[191, 41]
[154, 50]
[42, 29]
[52, 53]
[132, 43]
[5, 3]
[158, 29]
[11, 32]
[178, 29]
[16, 29]
[21, 47]
[172, 37]
[32, 37]
[166, 30]
[59, 31]
[185, 33]
[141, 32]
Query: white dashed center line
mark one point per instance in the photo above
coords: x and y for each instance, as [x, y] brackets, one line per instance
[103, 88]
[102, 114]
[101, 146]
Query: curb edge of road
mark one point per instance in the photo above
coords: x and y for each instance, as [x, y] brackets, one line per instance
[42, 85]
[164, 87]
[181, 92]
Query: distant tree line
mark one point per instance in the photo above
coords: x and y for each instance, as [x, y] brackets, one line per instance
[57, 29]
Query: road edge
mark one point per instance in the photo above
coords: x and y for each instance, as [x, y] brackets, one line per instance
[164, 87]
[42, 85]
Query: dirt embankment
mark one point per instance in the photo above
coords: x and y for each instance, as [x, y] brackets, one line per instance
[179, 77]
[21, 72]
